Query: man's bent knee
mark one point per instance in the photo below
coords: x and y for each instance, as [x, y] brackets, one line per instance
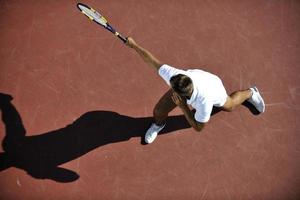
[229, 105]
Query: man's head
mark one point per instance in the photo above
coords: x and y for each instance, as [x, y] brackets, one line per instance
[182, 85]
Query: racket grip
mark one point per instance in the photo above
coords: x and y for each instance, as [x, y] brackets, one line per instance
[111, 29]
[122, 38]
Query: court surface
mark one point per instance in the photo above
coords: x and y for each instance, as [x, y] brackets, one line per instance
[82, 101]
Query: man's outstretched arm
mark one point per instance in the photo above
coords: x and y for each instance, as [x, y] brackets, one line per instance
[145, 54]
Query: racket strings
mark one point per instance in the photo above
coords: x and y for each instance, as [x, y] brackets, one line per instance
[93, 15]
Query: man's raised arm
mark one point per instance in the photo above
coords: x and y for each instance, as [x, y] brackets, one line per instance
[145, 54]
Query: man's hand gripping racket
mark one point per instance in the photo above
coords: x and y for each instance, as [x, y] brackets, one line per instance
[99, 19]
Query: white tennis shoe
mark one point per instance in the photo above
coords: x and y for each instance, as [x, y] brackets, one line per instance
[256, 100]
[152, 132]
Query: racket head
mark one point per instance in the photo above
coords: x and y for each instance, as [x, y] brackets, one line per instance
[92, 14]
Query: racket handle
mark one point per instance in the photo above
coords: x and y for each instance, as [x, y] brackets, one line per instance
[121, 37]
[111, 29]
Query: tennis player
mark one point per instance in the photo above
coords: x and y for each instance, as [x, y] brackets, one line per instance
[194, 88]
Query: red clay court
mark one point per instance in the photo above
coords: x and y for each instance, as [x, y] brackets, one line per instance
[82, 101]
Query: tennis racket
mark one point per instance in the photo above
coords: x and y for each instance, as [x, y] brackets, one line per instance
[99, 19]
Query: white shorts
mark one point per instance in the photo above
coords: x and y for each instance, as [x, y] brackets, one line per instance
[222, 94]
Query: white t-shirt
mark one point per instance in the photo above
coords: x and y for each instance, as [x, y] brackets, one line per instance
[208, 90]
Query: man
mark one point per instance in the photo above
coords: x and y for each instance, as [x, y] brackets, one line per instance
[197, 88]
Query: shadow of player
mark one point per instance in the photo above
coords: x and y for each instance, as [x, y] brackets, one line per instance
[40, 155]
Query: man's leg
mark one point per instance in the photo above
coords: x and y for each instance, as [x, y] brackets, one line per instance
[252, 95]
[164, 106]
[236, 99]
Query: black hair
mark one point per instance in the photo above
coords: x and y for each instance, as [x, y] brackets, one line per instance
[181, 84]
